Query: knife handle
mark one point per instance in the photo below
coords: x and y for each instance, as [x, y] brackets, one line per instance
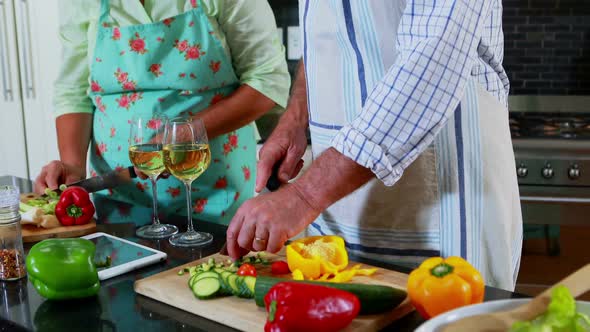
[132, 173]
[273, 183]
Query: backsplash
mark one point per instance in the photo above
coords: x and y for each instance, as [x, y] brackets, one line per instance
[547, 46]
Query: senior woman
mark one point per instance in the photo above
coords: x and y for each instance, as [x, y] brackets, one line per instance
[216, 60]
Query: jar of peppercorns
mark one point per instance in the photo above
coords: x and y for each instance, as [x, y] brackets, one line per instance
[12, 258]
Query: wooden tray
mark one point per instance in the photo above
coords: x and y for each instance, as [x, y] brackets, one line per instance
[32, 233]
[243, 314]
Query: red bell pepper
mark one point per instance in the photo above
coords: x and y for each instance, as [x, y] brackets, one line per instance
[303, 307]
[74, 207]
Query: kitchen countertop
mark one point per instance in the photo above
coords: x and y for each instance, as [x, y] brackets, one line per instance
[118, 308]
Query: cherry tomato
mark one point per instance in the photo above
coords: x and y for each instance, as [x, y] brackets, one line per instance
[247, 270]
[280, 267]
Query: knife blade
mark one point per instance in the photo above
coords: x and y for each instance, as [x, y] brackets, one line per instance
[106, 181]
[272, 184]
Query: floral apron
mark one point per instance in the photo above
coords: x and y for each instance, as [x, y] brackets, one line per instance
[177, 67]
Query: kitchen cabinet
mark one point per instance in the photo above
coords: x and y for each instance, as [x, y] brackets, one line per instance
[29, 62]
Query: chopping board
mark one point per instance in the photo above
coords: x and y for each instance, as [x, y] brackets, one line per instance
[32, 233]
[243, 314]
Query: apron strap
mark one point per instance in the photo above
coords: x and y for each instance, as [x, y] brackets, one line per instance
[104, 11]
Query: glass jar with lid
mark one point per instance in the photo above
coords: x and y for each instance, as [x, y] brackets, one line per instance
[12, 258]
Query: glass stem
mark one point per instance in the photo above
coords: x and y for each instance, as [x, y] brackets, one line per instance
[189, 210]
[155, 219]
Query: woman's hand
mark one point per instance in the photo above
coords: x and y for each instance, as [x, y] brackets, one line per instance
[56, 173]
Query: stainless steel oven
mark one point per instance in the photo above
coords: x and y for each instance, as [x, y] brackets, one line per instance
[551, 140]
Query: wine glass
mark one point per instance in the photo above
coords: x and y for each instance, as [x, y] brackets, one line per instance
[145, 153]
[187, 156]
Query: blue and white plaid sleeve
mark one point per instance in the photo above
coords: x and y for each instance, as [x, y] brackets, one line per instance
[437, 44]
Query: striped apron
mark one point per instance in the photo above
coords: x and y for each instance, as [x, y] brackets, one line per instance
[460, 197]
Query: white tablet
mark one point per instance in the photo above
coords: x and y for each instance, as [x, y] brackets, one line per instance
[125, 255]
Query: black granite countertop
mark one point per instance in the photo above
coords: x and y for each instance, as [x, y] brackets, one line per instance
[118, 308]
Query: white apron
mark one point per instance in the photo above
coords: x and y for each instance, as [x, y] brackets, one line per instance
[460, 197]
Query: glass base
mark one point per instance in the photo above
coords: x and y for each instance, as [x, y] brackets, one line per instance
[156, 231]
[191, 239]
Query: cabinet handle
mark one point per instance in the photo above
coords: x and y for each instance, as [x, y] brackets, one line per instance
[4, 61]
[28, 63]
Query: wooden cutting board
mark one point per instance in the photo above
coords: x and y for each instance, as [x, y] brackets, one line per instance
[32, 233]
[243, 314]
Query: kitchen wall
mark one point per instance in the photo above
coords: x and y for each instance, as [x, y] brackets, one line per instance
[547, 46]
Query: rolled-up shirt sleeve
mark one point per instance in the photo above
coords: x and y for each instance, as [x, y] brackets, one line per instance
[258, 55]
[437, 44]
[71, 85]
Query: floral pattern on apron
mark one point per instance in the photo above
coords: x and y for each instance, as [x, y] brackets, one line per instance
[177, 67]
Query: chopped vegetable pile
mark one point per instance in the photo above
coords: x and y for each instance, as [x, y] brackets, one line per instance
[212, 279]
[46, 204]
[561, 316]
[41, 211]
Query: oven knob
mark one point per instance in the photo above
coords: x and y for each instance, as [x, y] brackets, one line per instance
[548, 172]
[522, 171]
[573, 172]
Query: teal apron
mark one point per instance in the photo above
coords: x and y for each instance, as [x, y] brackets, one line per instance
[178, 67]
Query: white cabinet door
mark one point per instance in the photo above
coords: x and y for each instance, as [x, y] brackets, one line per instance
[40, 53]
[13, 152]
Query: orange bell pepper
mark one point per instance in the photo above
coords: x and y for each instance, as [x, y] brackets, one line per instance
[439, 285]
[315, 256]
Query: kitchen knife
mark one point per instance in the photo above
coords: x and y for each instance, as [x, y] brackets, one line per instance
[272, 184]
[107, 181]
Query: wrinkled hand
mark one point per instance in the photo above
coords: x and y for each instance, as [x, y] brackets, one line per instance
[56, 173]
[286, 145]
[266, 222]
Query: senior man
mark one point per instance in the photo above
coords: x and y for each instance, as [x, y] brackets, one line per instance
[406, 104]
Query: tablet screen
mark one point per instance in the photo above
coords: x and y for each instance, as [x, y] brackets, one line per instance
[119, 251]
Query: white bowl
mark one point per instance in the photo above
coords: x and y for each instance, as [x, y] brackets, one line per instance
[437, 323]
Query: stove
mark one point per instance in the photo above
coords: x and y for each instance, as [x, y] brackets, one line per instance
[551, 143]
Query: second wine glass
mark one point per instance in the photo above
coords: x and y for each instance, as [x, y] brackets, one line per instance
[187, 156]
[145, 153]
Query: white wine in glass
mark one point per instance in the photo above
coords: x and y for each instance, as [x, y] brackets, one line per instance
[187, 156]
[145, 153]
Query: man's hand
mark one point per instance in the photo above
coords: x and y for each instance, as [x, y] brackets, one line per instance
[266, 222]
[56, 173]
[285, 146]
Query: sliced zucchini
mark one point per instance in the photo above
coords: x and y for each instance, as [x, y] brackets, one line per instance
[206, 288]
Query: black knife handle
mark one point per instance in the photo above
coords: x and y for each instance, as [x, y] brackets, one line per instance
[273, 183]
[132, 173]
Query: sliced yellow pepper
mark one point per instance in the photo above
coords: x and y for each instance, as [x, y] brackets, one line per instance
[317, 255]
[297, 275]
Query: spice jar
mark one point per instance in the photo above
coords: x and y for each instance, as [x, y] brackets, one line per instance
[12, 258]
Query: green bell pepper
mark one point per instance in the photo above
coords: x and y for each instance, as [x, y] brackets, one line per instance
[64, 268]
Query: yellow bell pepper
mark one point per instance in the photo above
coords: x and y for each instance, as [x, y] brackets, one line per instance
[315, 256]
[439, 285]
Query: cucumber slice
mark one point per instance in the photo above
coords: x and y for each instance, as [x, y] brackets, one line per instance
[226, 289]
[250, 284]
[232, 283]
[246, 285]
[206, 288]
[208, 274]
[191, 280]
